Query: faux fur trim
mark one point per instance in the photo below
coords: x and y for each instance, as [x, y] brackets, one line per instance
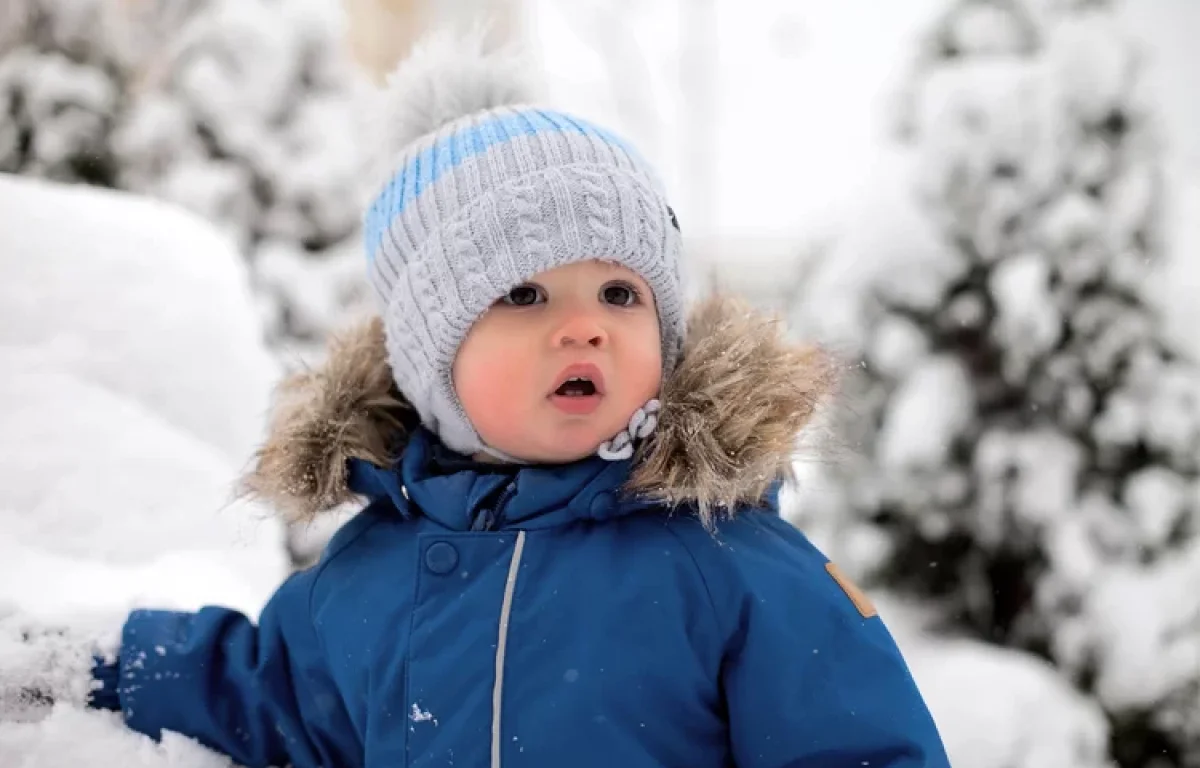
[732, 411]
[731, 416]
[349, 408]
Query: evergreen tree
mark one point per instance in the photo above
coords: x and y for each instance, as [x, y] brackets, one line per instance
[1031, 446]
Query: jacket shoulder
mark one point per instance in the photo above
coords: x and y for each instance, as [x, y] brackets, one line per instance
[811, 672]
[372, 532]
[352, 531]
[757, 556]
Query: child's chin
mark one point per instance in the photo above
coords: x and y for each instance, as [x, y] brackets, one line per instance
[566, 455]
[567, 449]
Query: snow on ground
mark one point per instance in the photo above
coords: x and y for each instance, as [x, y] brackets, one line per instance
[137, 297]
[133, 386]
[70, 738]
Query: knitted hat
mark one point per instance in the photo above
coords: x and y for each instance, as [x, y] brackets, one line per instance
[482, 193]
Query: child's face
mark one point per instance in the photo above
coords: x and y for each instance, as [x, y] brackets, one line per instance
[592, 320]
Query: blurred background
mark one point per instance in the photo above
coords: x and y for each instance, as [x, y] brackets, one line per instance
[989, 208]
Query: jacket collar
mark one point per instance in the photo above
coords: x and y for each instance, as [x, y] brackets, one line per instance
[731, 415]
[426, 481]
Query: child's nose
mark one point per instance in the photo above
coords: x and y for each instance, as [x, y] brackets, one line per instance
[580, 329]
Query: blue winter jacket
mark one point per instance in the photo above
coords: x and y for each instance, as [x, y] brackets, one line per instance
[537, 617]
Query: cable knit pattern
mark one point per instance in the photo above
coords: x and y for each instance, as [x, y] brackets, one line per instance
[534, 239]
[599, 212]
[464, 255]
[486, 202]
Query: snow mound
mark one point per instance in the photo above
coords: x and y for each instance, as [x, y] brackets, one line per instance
[138, 297]
[133, 386]
[128, 406]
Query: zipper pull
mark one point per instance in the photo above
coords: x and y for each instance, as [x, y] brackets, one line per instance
[484, 520]
[489, 518]
[509, 491]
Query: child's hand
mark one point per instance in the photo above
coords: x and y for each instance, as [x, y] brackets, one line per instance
[43, 661]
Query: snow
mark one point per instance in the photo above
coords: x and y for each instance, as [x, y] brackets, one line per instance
[976, 117]
[53, 79]
[242, 111]
[1021, 712]
[69, 737]
[41, 660]
[1033, 472]
[1027, 319]
[994, 707]
[133, 387]
[1144, 624]
[418, 715]
[1157, 501]
[321, 293]
[1091, 57]
[83, 270]
[931, 409]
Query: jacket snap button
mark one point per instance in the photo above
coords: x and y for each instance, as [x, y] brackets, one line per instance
[441, 557]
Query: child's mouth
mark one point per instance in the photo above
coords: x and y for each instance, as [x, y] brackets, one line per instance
[579, 391]
[576, 387]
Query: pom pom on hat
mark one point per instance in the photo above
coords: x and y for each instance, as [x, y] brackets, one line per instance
[448, 75]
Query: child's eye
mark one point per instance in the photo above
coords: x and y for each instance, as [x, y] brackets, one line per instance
[619, 294]
[525, 295]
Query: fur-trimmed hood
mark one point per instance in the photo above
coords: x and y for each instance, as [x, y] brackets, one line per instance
[731, 415]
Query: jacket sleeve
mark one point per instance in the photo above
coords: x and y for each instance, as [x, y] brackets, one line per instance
[812, 677]
[260, 694]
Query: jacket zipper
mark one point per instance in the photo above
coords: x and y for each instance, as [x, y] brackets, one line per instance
[501, 503]
[490, 518]
[510, 586]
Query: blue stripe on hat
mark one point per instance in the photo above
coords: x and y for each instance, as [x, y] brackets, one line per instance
[430, 164]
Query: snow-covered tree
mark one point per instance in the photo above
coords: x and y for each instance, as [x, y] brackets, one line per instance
[1031, 440]
[63, 80]
[240, 110]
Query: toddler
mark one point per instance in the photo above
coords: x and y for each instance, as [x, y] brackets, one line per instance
[571, 553]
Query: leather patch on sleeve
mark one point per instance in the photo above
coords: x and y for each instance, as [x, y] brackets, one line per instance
[856, 595]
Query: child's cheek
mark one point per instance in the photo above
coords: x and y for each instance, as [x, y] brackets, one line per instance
[490, 384]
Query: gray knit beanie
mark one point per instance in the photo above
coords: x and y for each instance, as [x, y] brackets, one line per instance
[481, 193]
